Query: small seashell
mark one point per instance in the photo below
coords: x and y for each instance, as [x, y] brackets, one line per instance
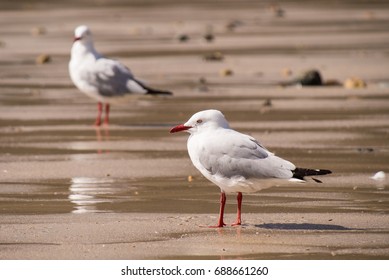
[286, 72]
[379, 176]
[38, 30]
[354, 83]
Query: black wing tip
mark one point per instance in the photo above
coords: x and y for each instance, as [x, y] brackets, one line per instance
[300, 173]
[152, 91]
[322, 171]
[326, 171]
[158, 92]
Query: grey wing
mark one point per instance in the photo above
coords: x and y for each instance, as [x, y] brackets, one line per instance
[111, 78]
[241, 155]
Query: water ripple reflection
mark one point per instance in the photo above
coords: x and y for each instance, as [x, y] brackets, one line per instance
[86, 193]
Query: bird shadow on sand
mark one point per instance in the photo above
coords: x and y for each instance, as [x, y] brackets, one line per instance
[302, 226]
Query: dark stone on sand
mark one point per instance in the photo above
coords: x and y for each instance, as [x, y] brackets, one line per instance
[311, 78]
[214, 56]
[307, 78]
[209, 37]
[183, 38]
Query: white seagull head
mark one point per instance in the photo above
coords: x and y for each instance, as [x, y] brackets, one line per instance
[201, 121]
[83, 35]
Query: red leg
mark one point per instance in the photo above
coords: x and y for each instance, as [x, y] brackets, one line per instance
[239, 212]
[223, 200]
[106, 119]
[99, 112]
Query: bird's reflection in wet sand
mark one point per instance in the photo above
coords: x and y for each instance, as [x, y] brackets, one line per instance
[102, 135]
[87, 193]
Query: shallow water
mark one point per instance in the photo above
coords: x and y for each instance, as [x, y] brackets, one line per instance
[353, 155]
[176, 195]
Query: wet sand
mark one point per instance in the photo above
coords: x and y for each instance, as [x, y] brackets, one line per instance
[69, 190]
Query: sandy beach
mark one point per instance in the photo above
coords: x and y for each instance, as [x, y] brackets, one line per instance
[70, 190]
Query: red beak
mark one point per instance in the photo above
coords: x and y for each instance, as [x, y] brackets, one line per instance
[76, 39]
[180, 127]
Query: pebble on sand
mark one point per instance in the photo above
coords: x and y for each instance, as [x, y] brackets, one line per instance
[202, 85]
[233, 24]
[183, 38]
[226, 72]
[307, 78]
[43, 59]
[209, 37]
[311, 78]
[276, 10]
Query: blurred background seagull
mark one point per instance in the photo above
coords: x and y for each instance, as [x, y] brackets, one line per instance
[234, 161]
[101, 78]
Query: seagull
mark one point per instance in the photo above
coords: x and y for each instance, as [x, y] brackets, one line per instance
[236, 162]
[103, 79]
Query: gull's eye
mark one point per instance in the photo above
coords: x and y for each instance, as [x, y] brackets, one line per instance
[199, 121]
